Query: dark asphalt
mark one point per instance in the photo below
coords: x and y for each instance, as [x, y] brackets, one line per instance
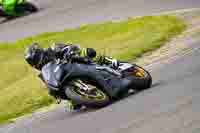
[57, 15]
[171, 105]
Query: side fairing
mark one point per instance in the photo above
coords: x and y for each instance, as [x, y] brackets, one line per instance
[51, 74]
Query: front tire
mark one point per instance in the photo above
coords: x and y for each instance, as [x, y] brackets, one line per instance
[96, 99]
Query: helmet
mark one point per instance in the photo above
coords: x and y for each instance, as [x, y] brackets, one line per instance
[91, 53]
[34, 55]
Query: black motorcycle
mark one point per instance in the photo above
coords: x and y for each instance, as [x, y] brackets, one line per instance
[93, 85]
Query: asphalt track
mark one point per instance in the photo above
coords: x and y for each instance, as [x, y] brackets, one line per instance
[171, 105]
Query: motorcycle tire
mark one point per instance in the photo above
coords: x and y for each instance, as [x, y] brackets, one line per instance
[98, 99]
[143, 80]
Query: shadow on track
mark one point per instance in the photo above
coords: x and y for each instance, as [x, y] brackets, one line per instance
[127, 95]
[131, 93]
[6, 20]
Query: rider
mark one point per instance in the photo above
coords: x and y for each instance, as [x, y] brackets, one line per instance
[38, 57]
[11, 7]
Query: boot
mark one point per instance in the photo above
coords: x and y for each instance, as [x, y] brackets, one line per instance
[71, 106]
[103, 60]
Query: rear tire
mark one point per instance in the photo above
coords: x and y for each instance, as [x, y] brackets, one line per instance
[74, 93]
[147, 80]
[143, 82]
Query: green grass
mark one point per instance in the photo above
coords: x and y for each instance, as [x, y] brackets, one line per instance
[22, 92]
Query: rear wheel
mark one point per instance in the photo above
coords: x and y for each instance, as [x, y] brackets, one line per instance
[143, 78]
[87, 93]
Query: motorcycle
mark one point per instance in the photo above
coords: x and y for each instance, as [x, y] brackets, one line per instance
[93, 85]
[25, 7]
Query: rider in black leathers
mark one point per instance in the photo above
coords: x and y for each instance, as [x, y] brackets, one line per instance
[38, 57]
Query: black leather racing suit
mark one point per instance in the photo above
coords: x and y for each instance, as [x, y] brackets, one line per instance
[75, 53]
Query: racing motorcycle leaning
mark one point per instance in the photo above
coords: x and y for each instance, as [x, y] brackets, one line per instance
[93, 85]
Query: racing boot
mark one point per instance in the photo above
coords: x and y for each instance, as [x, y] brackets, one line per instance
[71, 106]
[112, 62]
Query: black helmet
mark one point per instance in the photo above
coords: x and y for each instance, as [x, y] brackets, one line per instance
[34, 55]
[91, 53]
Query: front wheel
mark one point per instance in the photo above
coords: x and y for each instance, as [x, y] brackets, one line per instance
[86, 92]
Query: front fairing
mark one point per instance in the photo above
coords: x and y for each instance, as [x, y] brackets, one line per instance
[56, 74]
[51, 74]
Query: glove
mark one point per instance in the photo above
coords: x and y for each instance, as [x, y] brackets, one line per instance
[115, 63]
[111, 62]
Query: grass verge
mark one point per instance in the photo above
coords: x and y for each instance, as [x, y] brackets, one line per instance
[20, 90]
